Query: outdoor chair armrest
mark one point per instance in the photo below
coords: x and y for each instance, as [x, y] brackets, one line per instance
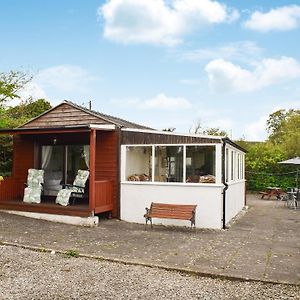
[72, 185]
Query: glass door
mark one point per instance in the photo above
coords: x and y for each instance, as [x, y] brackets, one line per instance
[77, 159]
[61, 164]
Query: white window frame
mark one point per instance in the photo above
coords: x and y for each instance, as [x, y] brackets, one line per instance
[218, 163]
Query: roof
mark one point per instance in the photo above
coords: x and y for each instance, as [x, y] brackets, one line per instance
[114, 120]
[68, 113]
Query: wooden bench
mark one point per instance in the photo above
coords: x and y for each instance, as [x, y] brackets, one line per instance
[171, 211]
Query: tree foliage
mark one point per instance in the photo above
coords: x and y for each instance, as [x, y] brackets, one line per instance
[12, 117]
[278, 123]
[197, 128]
[11, 83]
[283, 143]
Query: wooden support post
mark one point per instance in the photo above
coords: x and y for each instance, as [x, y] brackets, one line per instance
[92, 169]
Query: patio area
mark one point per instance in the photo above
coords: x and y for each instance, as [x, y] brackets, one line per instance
[263, 244]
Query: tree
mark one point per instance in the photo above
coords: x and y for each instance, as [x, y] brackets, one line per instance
[11, 83]
[284, 128]
[198, 129]
[291, 135]
[276, 123]
[12, 117]
[28, 109]
[215, 131]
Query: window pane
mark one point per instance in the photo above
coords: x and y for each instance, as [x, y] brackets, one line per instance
[200, 164]
[232, 165]
[77, 160]
[226, 165]
[168, 164]
[52, 161]
[138, 163]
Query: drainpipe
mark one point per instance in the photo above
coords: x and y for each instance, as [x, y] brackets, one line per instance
[224, 183]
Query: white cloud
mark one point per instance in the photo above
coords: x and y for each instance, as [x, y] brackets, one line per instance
[34, 90]
[160, 21]
[256, 131]
[225, 76]
[233, 51]
[64, 78]
[163, 102]
[159, 102]
[281, 19]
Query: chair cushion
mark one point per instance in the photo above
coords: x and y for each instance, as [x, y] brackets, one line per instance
[63, 197]
[35, 178]
[32, 194]
[81, 178]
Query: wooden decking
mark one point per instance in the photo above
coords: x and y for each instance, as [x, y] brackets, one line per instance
[48, 207]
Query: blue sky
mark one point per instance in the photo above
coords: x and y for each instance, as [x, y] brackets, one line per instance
[162, 63]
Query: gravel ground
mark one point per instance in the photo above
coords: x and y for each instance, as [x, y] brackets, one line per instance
[26, 274]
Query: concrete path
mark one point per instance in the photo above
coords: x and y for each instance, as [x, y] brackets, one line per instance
[263, 244]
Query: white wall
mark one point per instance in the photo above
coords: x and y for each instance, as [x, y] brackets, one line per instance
[136, 196]
[235, 199]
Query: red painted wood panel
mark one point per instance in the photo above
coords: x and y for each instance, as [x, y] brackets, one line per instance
[10, 189]
[107, 162]
[23, 157]
[103, 196]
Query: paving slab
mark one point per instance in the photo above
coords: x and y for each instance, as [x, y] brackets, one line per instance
[262, 244]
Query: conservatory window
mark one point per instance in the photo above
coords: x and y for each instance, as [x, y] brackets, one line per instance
[168, 164]
[232, 165]
[178, 163]
[138, 163]
[227, 165]
[200, 164]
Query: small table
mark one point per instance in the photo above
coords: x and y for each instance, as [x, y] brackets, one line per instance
[272, 191]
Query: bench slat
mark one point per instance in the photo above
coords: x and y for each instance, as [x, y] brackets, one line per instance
[187, 216]
[172, 211]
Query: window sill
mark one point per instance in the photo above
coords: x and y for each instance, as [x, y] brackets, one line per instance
[172, 184]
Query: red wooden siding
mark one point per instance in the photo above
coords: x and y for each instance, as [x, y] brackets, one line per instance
[107, 163]
[103, 196]
[10, 189]
[23, 158]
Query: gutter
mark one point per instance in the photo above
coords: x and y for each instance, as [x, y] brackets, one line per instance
[225, 188]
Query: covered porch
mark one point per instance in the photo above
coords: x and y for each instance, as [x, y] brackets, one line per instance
[60, 152]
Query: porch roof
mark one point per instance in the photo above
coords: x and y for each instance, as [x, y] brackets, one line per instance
[68, 113]
[61, 129]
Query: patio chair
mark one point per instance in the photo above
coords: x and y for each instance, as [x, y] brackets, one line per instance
[293, 198]
[75, 190]
[33, 191]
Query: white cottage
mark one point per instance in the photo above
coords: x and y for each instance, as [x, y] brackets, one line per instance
[130, 166]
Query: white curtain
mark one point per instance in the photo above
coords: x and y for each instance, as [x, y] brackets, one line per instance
[86, 153]
[46, 156]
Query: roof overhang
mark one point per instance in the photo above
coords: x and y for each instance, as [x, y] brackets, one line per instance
[64, 129]
[103, 126]
[214, 137]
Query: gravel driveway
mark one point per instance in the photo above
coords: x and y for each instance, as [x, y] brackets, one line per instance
[26, 274]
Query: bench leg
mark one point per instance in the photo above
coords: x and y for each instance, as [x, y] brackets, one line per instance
[148, 219]
[193, 222]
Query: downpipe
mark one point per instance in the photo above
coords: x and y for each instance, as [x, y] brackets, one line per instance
[225, 184]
